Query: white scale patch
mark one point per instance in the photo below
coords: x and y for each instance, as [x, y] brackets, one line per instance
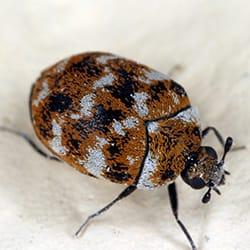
[141, 106]
[153, 127]
[149, 167]
[153, 75]
[95, 161]
[131, 160]
[101, 141]
[42, 94]
[87, 104]
[104, 81]
[107, 70]
[175, 98]
[189, 115]
[130, 122]
[56, 143]
[105, 58]
[119, 127]
[60, 67]
[75, 116]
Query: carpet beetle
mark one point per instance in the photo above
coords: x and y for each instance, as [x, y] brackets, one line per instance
[118, 120]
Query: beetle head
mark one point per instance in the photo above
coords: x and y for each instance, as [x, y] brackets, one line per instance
[204, 170]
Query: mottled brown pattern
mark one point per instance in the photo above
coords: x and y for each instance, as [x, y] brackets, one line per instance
[73, 78]
[174, 140]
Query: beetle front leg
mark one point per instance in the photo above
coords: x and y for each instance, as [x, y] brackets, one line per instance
[174, 205]
[217, 134]
[219, 137]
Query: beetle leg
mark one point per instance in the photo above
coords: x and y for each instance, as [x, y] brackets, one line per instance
[216, 132]
[127, 191]
[30, 141]
[219, 137]
[174, 205]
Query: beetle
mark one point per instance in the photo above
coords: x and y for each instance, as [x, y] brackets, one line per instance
[115, 119]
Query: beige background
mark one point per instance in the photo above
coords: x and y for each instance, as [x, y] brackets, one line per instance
[42, 203]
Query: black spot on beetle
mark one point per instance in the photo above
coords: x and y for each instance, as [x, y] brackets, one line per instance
[75, 143]
[168, 174]
[104, 117]
[125, 89]
[114, 149]
[177, 88]
[87, 65]
[156, 90]
[59, 103]
[101, 120]
[118, 176]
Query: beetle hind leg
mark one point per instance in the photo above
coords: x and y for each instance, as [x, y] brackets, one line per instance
[127, 191]
[30, 142]
[174, 205]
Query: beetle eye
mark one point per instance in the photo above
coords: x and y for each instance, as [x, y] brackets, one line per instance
[197, 183]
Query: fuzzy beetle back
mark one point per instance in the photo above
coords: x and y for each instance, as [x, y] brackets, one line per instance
[115, 119]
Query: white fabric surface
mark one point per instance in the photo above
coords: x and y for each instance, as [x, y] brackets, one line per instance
[42, 203]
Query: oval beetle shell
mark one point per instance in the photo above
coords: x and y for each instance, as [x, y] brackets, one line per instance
[115, 119]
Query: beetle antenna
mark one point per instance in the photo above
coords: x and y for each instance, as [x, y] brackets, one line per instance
[227, 147]
[207, 196]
